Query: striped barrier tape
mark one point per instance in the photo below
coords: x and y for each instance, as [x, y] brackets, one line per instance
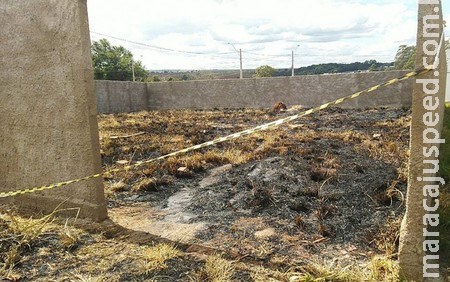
[263, 127]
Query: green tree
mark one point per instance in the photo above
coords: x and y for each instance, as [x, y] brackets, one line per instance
[264, 71]
[405, 58]
[373, 67]
[152, 78]
[115, 62]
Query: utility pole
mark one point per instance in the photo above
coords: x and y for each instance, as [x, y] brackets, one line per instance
[240, 64]
[293, 71]
[240, 59]
[293, 63]
[132, 69]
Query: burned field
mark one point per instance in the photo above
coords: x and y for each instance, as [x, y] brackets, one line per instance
[325, 190]
[330, 185]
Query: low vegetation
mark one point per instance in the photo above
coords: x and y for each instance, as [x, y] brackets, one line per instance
[444, 198]
[48, 248]
[38, 249]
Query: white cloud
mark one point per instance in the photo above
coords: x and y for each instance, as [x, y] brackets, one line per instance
[327, 31]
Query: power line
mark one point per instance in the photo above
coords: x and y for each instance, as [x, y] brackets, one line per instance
[268, 55]
[251, 58]
[158, 47]
[165, 49]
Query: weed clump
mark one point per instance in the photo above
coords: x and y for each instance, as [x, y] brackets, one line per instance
[155, 258]
[216, 269]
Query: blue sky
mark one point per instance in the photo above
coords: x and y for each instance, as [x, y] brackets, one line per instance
[205, 34]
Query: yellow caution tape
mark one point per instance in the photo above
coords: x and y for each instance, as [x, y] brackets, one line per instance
[221, 139]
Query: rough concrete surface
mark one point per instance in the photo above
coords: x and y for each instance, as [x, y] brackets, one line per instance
[411, 251]
[48, 125]
[308, 91]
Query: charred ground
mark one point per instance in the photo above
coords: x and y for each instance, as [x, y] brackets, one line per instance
[326, 188]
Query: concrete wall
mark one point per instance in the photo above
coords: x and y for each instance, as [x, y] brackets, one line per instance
[120, 96]
[309, 91]
[48, 125]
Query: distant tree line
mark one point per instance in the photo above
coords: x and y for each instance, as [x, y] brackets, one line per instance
[117, 63]
[369, 65]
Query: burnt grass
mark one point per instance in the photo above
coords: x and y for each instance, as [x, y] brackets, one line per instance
[326, 188]
[331, 181]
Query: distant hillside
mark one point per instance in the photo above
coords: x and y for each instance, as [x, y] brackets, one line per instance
[177, 75]
[337, 68]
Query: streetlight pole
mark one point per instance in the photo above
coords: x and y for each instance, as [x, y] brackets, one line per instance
[132, 70]
[293, 63]
[240, 64]
[293, 72]
[240, 60]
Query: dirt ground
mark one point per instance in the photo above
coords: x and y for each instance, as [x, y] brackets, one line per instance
[327, 189]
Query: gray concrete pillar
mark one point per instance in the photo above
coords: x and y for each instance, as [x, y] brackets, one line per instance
[48, 124]
[426, 125]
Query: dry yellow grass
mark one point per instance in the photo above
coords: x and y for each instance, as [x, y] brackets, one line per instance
[69, 237]
[383, 269]
[403, 122]
[386, 237]
[80, 277]
[101, 255]
[379, 269]
[19, 233]
[216, 269]
[117, 186]
[29, 229]
[146, 184]
[321, 272]
[154, 258]
[11, 257]
[236, 156]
